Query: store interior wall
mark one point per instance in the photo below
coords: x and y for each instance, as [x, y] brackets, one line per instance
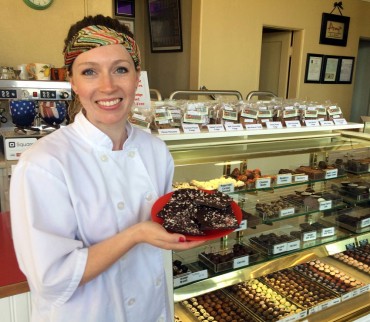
[221, 40]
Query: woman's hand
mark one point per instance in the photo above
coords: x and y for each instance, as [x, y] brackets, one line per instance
[153, 233]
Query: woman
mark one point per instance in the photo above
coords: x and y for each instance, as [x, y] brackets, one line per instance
[81, 196]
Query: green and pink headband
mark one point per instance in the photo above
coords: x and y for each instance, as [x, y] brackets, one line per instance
[96, 36]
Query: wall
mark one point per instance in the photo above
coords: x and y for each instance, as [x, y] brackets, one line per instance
[227, 55]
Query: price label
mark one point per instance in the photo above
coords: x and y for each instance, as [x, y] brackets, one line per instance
[364, 289]
[253, 126]
[325, 205]
[293, 245]
[182, 280]
[284, 178]
[233, 127]
[287, 212]
[330, 303]
[326, 232]
[365, 222]
[8, 93]
[300, 178]
[312, 123]
[274, 125]
[332, 173]
[240, 262]
[263, 183]
[189, 278]
[363, 242]
[243, 225]
[347, 296]
[190, 128]
[168, 131]
[340, 122]
[226, 187]
[215, 128]
[279, 248]
[292, 124]
[308, 236]
[315, 309]
[326, 123]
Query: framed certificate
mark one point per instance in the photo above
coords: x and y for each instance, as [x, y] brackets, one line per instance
[314, 65]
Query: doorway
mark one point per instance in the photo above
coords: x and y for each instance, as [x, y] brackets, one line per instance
[361, 90]
[280, 60]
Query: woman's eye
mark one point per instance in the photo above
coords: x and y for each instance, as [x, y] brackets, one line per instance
[88, 72]
[121, 70]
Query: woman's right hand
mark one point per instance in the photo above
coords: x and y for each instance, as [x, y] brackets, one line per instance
[154, 234]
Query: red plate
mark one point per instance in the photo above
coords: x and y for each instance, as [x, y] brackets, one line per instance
[209, 234]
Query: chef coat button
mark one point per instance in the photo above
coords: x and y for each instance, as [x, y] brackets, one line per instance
[158, 281]
[121, 205]
[131, 301]
[131, 154]
[149, 196]
[104, 157]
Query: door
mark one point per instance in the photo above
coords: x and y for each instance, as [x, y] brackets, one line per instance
[361, 90]
[275, 62]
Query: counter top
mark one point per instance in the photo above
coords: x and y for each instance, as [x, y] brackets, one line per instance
[12, 280]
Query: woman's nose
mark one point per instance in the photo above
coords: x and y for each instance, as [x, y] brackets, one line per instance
[107, 82]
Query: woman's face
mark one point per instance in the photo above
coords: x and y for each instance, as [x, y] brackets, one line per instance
[105, 80]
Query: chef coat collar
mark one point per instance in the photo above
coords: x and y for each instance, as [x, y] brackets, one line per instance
[95, 136]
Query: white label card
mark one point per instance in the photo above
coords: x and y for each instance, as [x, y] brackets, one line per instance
[325, 205]
[226, 187]
[330, 174]
[326, 232]
[340, 122]
[215, 128]
[253, 126]
[233, 127]
[189, 278]
[326, 123]
[241, 261]
[365, 222]
[169, 131]
[279, 248]
[311, 235]
[292, 124]
[190, 128]
[312, 123]
[293, 245]
[287, 212]
[300, 178]
[243, 225]
[263, 183]
[274, 125]
[284, 178]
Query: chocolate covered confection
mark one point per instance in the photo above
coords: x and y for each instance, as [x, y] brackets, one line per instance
[298, 288]
[191, 212]
[217, 306]
[179, 268]
[329, 276]
[217, 200]
[358, 258]
[262, 300]
[270, 239]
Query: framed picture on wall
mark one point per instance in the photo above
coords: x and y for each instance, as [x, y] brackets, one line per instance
[124, 8]
[346, 66]
[330, 69]
[314, 65]
[165, 25]
[334, 30]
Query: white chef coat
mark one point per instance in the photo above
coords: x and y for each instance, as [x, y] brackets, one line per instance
[69, 191]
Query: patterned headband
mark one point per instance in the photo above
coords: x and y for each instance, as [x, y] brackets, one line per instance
[97, 36]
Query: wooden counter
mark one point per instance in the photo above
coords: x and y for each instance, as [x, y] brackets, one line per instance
[12, 280]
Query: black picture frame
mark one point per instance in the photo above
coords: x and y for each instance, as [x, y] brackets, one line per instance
[330, 70]
[346, 66]
[124, 8]
[165, 25]
[314, 65]
[334, 30]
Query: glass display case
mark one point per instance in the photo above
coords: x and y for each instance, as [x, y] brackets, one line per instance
[308, 179]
